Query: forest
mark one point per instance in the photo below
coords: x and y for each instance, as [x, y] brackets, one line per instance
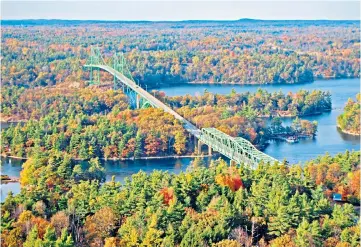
[65, 127]
[63, 203]
[349, 120]
[98, 122]
[45, 53]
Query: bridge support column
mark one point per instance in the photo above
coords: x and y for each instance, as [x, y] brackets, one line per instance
[195, 143]
[232, 163]
[209, 151]
[138, 101]
[199, 147]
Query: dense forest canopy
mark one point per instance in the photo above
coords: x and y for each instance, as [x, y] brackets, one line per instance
[62, 203]
[41, 53]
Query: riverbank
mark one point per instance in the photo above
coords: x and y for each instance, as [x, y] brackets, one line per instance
[348, 132]
[325, 78]
[124, 159]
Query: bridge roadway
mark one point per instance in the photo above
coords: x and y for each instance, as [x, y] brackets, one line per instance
[150, 98]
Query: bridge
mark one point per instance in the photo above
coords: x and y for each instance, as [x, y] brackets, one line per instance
[238, 150]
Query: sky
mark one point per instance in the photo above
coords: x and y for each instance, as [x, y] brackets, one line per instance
[180, 10]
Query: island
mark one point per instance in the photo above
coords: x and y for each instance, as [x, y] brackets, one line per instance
[349, 121]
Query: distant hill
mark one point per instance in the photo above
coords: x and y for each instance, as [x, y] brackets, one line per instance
[34, 22]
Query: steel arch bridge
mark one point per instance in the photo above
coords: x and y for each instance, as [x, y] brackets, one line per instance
[238, 150]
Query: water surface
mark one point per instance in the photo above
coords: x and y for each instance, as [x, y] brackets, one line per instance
[328, 139]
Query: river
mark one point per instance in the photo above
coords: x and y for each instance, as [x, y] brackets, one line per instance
[328, 138]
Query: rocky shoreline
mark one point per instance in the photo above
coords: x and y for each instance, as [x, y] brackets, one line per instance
[348, 132]
[7, 179]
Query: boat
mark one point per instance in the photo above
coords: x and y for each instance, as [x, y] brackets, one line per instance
[291, 139]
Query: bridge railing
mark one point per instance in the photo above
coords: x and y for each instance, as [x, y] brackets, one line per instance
[238, 149]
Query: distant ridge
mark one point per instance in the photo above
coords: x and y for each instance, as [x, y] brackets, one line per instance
[249, 20]
[242, 20]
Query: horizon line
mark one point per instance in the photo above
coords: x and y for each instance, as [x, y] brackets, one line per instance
[183, 20]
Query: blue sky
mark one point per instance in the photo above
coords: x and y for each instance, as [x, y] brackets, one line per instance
[180, 10]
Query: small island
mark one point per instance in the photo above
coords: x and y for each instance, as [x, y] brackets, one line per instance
[349, 121]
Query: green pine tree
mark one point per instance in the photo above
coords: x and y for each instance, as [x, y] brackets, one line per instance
[280, 223]
[64, 240]
[32, 238]
[138, 145]
[49, 237]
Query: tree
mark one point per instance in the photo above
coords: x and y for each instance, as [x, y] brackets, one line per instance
[60, 222]
[180, 142]
[283, 241]
[280, 223]
[49, 237]
[308, 234]
[100, 225]
[343, 216]
[64, 240]
[227, 243]
[192, 238]
[96, 171]
[32, 239]
[111, 242]
[138, 145]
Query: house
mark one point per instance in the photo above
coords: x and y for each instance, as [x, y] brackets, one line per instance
[337, 197]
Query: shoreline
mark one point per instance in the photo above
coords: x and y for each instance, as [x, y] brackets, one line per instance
[125, 159]
[251, 84]
[347, 132]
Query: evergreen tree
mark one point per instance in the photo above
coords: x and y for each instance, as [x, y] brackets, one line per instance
[32, 238]
[293, 210]
[280, 223]
[193, 238]
[49, 237]
[316, 233]
[303, 234]
[343, 216]
[138, 145]
[169, 240]
[83, 150]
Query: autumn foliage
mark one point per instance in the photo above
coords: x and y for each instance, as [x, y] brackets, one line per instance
[168, 195]
[231, 179]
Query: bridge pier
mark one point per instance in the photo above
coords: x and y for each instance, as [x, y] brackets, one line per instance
[232, 163]
[195, 143]
[138, 101]
[199, 148]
